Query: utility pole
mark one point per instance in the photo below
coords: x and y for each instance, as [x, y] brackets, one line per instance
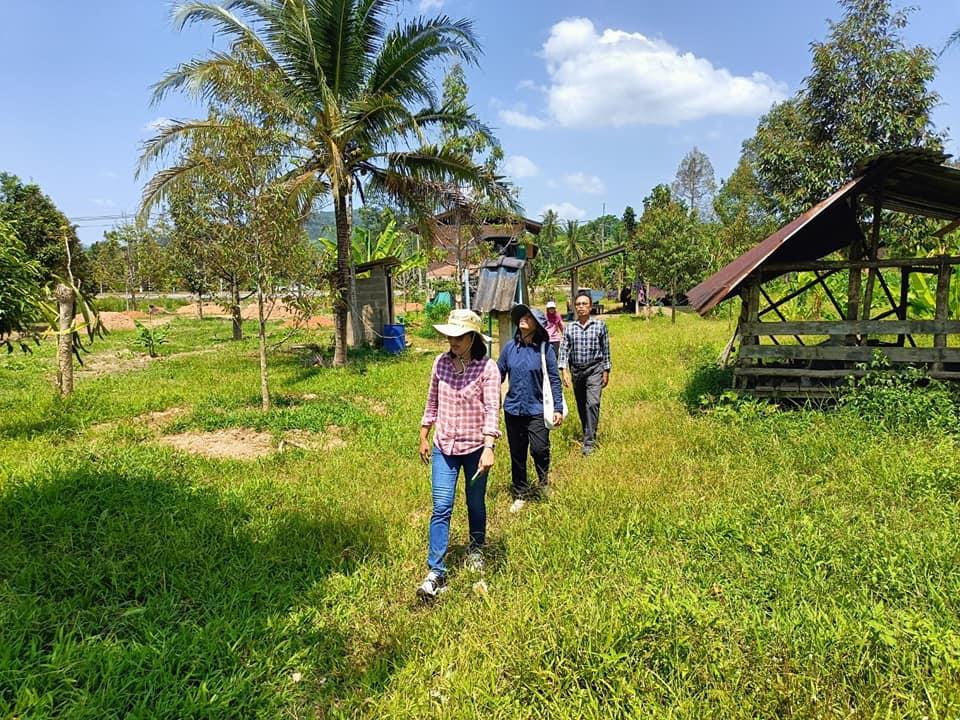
[603, 223]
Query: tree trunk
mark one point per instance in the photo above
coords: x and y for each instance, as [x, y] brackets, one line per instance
[262, 338]
[200, 303]
[235, 309]
[359, 333]
[673, 304]
[65, 303]
[342, 279]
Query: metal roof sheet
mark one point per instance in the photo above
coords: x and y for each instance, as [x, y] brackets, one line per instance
[497, 287]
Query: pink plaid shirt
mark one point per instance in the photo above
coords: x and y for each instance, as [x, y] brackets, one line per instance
[464, 407]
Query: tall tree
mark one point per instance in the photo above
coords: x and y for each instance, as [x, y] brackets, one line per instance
[867, 92]
[670, 251]
[21, 294]
[696, 183]
[352, 96]
[44, 231]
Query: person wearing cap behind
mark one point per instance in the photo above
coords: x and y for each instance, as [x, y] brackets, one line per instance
[463, 408]
[585, 357]
[520, 361]
[554, 327]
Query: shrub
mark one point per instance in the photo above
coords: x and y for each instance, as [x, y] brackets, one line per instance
[900, 400]
[150, 339]
[435, 315]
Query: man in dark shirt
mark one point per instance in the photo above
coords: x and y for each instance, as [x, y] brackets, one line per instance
[585, 357]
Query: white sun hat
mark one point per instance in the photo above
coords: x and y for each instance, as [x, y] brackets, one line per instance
[460, 322]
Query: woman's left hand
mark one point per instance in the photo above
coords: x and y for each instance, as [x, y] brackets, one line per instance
[486, 459]
[557, 419]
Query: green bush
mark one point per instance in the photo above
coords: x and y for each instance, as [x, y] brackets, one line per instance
[905, 400]
[150, 339]
[434, 315]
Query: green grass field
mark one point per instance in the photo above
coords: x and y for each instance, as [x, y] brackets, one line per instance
[727, 565]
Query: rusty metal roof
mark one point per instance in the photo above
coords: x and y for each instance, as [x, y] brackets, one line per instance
[913, 181]
[497, 287]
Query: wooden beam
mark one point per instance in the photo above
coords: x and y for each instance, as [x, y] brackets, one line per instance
[934, 263]
[872, 253]
[854, 353]
[942, 308]
[902, 306]
[826, 289]
[777, 311]
[792, 295]
[858, 327]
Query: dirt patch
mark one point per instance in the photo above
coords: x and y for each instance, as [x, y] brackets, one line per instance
[209, 310]
[377, 407]
[157, 419]
[108, 363]
[116, 321]
[314, 322]
[232, 443]
[307, 440]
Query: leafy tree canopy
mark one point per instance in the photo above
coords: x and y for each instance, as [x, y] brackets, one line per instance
[42, 228]
[867, 92]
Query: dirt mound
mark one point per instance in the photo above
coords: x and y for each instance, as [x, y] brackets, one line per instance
[209, 310]
[232, 443]
[116, 321]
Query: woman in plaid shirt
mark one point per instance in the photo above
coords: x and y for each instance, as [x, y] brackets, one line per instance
[463, 408]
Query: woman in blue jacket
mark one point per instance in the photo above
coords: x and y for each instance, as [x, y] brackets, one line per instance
[521, 363]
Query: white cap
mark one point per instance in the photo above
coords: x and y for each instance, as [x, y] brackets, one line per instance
[551, 304]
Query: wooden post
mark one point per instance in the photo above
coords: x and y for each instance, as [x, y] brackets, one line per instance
[749, 312]
[943, 306]
[872, 252]
[65, 304]
[902, 306]
[853, 290]
[573, 288]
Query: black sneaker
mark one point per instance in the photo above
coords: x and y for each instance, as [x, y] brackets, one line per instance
[588, 450]
[433, 584]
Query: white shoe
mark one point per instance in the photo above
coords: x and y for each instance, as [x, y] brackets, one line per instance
[433, 584]
[518, 505]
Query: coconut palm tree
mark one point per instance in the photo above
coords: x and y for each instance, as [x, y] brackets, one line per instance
[354, 98]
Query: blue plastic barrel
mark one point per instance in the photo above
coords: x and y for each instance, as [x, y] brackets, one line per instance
[394, 338]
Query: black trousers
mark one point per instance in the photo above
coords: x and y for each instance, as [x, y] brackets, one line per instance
[527, 432]
[587, 386]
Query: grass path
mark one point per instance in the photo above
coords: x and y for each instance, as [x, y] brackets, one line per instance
[740, 565]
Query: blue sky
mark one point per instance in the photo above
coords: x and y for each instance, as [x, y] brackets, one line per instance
[595, 102]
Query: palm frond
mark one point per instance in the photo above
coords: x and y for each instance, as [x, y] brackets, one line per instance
[402, 67]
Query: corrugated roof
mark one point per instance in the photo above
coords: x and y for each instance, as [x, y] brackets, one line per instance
[912, 181]
[497, 287]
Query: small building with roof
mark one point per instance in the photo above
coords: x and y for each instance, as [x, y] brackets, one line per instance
[781, 356]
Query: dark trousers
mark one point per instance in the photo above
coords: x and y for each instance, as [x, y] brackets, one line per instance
[586, 390]
[527, 432]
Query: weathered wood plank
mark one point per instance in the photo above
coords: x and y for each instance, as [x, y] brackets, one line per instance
[858, 327]
[916, 264]
[799, 372]
[852, 353]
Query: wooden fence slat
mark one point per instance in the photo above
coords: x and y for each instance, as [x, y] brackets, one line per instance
[852, 353]
[857, 327]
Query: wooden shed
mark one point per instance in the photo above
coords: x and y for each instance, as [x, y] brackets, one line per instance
[783, 357]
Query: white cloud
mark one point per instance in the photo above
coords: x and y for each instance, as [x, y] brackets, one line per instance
[101, 202]
[109, 174]
[564, 210]
[585, 183]
[515, 118]
[156, 125]
[518, 166]
[426, 5]
[620, 78]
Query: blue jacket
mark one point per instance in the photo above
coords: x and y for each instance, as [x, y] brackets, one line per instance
[521, 363]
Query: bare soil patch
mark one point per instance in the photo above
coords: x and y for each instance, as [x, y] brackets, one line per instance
[330, 439]
[231, 443]
[209, 310]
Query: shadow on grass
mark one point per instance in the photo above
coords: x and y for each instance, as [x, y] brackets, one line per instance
[705, 384]
[127, 592]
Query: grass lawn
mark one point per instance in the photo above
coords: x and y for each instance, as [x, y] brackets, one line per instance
[738, 564]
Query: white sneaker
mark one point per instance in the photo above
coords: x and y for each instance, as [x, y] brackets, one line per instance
[474, 562]
[518, 505]
[432, 585]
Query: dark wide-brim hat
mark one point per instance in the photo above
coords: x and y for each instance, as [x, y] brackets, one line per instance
[520, 310]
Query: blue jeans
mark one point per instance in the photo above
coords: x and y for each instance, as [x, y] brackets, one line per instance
[443, 480]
